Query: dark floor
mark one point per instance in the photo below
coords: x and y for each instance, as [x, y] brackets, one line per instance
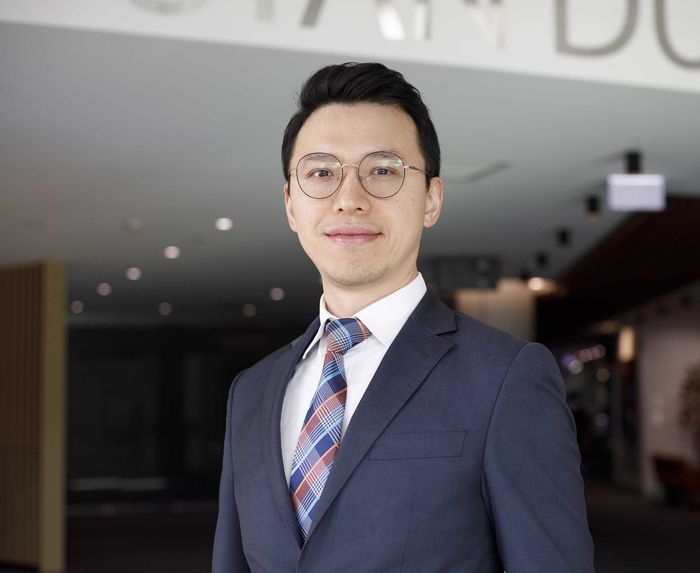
[630, 536]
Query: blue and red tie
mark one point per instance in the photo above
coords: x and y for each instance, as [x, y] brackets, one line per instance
[320, 434]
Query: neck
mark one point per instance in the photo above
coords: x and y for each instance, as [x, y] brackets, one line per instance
[344, 301]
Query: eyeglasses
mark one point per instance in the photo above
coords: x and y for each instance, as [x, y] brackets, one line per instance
[381, 174]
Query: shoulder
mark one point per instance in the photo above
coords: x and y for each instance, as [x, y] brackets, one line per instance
[491, 345]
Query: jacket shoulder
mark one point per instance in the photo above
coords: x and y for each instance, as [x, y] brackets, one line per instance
[484, 338]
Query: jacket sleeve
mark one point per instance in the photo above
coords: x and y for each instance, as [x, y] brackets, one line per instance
[228, 554]
[532, 481]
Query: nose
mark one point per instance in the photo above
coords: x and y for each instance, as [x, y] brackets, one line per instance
[351, 196]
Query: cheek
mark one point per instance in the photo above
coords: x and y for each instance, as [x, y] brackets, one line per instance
[407, 220]
[306, 223]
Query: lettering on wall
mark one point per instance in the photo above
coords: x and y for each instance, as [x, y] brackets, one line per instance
[487, 15]
[629, 25]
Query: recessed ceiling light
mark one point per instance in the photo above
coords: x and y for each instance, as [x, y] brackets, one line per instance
[133, 273]
[76, 307]
[249, 310]
[165, 308]
[277, 293]
[537, 284]
[132, 224]
[223, 224]
[171, 252]
[104, 289]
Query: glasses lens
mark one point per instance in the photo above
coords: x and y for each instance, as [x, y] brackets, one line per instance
[319, 174]
[382, 173]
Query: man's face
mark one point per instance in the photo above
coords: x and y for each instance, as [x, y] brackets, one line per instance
[354, 239]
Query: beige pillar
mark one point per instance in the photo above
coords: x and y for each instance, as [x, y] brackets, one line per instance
[32, 416]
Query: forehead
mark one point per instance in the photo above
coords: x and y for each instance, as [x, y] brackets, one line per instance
[350, 131]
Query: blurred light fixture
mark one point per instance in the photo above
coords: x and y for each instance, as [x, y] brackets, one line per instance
[542, 260]
[625, 344]
[607, 327]
[104, 289]
[634, 191]
[564, 238]
[132, 224]
[77, 306]
[277, 293]
[249, 310]
[603, 375]
[575, 366]
[536, 284]
[540, 285]
[223, 224]
[133, 273]
[165, 308]
[592, 208]
[171, 252]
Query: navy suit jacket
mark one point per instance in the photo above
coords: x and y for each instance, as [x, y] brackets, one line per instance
[460, 457]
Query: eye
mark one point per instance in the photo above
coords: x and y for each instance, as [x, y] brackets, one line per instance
[320, 173]
[383, 171]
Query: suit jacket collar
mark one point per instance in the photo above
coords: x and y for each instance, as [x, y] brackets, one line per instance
[408, 361]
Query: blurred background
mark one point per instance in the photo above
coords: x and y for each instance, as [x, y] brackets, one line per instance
[145, 257]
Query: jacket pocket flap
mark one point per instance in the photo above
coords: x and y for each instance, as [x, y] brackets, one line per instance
[418, 445]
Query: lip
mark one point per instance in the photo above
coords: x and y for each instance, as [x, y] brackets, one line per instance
[351, 234]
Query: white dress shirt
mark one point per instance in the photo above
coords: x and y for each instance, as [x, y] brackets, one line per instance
[384, 319]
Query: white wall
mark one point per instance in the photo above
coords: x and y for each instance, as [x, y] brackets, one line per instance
[667, 345]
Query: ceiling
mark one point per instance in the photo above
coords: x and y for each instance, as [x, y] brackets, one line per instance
[647, 257]
[96, 128]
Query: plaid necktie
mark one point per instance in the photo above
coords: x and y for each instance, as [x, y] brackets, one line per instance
[320, 434]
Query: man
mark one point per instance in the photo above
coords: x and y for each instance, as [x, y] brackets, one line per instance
[394, 434]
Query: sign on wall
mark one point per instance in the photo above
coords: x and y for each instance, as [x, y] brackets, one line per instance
[653, 43]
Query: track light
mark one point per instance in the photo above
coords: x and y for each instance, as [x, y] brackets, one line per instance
[542, 260]
[634, 191]
[564, 238]
[592, 208]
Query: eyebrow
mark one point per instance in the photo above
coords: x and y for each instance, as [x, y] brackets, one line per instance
[364, 155]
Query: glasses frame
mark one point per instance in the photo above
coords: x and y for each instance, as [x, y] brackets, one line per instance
[342, 173]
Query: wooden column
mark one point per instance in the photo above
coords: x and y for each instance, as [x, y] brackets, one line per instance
[32, 416]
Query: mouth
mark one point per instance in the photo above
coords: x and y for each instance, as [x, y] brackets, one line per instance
[352, 235]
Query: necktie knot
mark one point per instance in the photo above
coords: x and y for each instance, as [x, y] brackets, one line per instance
[344, 333]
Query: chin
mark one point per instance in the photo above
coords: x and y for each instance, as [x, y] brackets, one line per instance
[355, 277]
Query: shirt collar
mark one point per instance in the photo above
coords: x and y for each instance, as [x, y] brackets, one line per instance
[384, 318]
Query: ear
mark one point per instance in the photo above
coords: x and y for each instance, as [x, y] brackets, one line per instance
[289, 208]
[433, 202]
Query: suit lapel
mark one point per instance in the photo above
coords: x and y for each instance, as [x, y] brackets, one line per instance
[280, 376]
[408, 361]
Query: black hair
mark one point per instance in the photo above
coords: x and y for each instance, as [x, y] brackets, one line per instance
[354, 82]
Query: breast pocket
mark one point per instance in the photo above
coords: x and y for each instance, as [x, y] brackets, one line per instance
[418, 445]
